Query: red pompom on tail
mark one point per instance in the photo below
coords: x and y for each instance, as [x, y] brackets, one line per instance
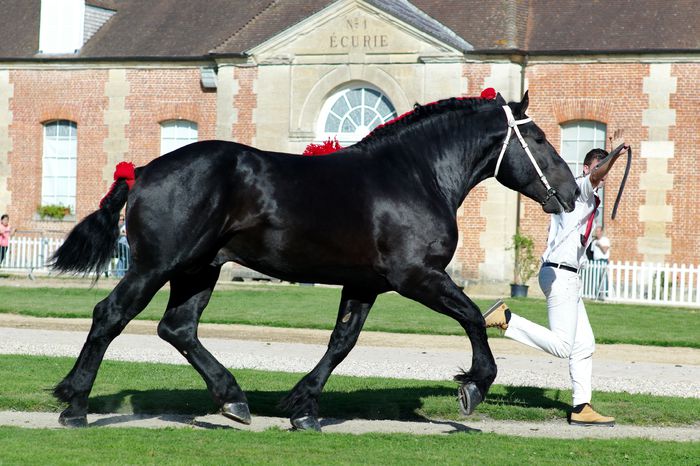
[327, 147]
[489, 93]
[125, 171]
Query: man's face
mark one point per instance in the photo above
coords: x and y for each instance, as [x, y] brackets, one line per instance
[587, 168]
[5, 221]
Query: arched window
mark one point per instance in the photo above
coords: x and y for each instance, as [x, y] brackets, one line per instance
[351, 114]
[577, 138]
[176, 133]
[59, 164]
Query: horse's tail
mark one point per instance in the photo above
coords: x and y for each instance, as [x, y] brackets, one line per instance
[90, 245]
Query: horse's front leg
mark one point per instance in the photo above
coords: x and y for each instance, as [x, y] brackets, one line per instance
[110, 316]
[436, 290]
[302, 401]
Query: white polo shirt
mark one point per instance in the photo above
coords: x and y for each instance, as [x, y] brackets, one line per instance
[565, 229]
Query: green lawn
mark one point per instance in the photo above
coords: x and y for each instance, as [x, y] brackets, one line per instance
[162, 388]
[216, 447]
[315, 307]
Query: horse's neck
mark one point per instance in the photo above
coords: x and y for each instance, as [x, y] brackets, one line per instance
[454, 152]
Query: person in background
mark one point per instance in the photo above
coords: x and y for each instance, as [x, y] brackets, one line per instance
[600, 245]
[601, 255]
[5, 232]
[569, 334]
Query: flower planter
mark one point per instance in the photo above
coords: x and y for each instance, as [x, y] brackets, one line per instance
[518, 291]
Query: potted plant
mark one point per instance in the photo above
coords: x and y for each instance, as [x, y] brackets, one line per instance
[525, 264]
[52, 211]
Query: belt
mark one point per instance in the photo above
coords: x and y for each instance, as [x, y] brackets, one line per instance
[560, 266]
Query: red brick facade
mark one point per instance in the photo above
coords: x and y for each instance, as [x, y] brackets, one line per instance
[685, 167]
[608, 93]
[40, 97]
[613, 94]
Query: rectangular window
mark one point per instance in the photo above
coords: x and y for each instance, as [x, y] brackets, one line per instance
[577, 139]
[59, 166]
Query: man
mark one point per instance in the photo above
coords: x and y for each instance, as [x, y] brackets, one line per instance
[569, 334]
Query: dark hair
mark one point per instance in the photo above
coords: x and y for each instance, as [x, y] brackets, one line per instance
[3, 216]
[594, 154]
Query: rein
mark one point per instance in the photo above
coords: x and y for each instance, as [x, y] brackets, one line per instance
[624, 177]
[513, 126]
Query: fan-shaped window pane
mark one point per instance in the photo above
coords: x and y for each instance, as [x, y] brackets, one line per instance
[354, 113]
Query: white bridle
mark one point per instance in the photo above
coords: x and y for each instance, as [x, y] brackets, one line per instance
[513, 126]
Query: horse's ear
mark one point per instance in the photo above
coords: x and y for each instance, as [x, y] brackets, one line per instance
[524, 103]
[500, 100]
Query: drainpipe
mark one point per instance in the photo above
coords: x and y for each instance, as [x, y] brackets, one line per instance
[523, 70]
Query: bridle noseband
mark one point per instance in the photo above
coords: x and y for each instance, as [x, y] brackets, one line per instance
[513, 126]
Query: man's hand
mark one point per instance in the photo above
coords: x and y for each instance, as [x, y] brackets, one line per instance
[616, 140]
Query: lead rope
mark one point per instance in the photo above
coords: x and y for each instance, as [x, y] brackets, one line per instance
[624, 177]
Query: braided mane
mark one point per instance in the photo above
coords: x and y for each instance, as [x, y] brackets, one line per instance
[421, 112]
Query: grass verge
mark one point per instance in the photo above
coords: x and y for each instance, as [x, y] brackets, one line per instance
[142, 388]
[316, 307]
[183, 446]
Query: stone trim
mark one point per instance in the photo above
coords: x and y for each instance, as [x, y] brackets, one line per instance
[116, 117]
[655, 213]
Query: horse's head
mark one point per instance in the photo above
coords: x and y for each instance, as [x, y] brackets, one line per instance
[530, 165]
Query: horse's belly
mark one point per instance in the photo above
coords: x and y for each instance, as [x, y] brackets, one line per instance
[304, 260]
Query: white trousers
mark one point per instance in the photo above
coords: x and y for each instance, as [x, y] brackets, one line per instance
[569, 334]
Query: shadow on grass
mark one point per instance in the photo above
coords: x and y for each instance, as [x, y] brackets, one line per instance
[405, 403]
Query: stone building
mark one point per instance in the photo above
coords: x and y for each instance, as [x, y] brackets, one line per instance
[85, 84]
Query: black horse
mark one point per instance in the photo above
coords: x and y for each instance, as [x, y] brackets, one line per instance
[377, 216]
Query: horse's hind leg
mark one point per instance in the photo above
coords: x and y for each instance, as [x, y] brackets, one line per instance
[109, 318]
[436, 290]
[302, 401]
[189, 295]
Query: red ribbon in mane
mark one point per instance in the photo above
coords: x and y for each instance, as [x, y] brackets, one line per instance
[327, 147]
[125, 171]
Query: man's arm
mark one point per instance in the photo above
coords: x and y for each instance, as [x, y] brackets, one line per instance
[600, 171]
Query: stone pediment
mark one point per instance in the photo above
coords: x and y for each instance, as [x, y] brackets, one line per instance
[355, 30]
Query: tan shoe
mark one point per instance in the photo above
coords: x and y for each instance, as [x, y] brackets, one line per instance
[496, 315]
[588, 417]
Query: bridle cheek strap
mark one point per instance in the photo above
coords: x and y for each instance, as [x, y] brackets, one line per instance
[513, 126]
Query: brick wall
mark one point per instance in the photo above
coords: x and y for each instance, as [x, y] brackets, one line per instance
[685, 166]
[469, 219]
[41, 96]
[246, 102]
[611, 94]
[159, 95]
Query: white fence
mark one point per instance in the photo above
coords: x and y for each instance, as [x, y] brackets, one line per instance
[614, 281]
[642, 283]
[30, 253]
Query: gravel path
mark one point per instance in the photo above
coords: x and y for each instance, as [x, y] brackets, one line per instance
[554, 429]
[659, 371]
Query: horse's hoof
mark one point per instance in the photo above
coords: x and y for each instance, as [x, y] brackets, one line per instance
[73, 421]
[238, 412]
[306, 423]
[469, 397]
